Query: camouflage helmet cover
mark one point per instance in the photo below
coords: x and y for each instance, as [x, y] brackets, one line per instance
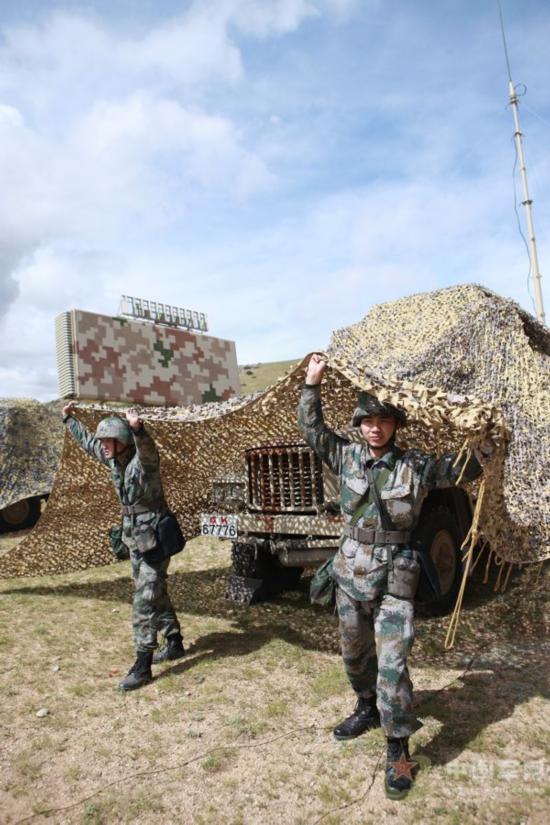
[368, 404]
[114, 427]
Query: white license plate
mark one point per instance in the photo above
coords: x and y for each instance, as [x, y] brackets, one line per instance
[225, 527]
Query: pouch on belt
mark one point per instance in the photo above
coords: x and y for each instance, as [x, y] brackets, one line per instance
[404, 575]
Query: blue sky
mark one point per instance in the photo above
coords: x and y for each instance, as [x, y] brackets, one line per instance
[281, 165]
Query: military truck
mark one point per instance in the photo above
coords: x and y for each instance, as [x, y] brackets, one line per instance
[282, 515]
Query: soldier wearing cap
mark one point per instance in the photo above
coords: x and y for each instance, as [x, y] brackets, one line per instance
[127, 449]
[376, 570]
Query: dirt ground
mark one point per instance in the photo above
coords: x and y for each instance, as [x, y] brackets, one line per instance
[239, 732]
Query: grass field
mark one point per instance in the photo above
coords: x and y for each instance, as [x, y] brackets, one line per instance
[256, 377]
[239, 732]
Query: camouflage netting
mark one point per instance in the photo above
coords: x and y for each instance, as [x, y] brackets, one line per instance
[463, 362]
[31, 440]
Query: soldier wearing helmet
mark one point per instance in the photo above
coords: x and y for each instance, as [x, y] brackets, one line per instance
[127, 449]
[375, 569]
[368, 406]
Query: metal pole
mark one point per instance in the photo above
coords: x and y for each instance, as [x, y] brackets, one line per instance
[518, 136]
[527, 202]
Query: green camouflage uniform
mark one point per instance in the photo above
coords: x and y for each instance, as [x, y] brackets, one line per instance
[136, 478]
[376, 628]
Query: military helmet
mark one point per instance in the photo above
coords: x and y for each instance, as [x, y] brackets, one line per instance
[114, 427]
[368, 404]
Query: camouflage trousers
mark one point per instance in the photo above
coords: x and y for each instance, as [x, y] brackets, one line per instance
[376, 637]
[152, 609]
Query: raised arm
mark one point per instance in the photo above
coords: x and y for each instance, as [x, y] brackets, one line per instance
[83, 437]
[145, 446]
[321, 439]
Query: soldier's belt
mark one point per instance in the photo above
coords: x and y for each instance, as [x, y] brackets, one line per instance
[137, 509]
[370, 536]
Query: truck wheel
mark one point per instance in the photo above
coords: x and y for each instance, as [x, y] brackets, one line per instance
[439, 534]
[19, 516]
[247, 561]
[282, 578]
[253, 563]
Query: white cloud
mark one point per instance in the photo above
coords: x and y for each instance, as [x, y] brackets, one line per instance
[277, 17]
[70, 58]
[123, 140]
[9, 288]
[65, 58]
[85, 120]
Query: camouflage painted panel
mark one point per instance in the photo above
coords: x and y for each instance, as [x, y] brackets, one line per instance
[116, 359]
[31, 436]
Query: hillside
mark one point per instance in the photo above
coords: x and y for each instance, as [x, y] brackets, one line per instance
[256, 377]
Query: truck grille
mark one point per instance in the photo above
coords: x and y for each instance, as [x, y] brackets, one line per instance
[284, 478]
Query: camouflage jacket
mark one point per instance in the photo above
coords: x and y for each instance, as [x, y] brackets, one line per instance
[411, 474]
[135, 475]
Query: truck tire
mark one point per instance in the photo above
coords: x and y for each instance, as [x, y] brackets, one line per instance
[259, 563]
[247, 560]
[439, 534]
[283, 578]
[21, 515]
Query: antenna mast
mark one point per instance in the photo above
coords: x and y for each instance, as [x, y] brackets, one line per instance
[527, 202]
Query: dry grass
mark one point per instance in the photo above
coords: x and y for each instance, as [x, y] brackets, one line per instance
[239, 730]
[255, 377]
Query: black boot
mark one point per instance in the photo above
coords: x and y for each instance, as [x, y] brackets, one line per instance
[365, 717]
[400, 769]
[173, 649]
[139, 674]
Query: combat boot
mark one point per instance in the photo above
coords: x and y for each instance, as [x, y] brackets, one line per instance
[400, 769]
[173, 649]
[365, 717]
[139, 674]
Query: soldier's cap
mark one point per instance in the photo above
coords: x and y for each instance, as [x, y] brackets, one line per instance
[114, 427]
[368, 404]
